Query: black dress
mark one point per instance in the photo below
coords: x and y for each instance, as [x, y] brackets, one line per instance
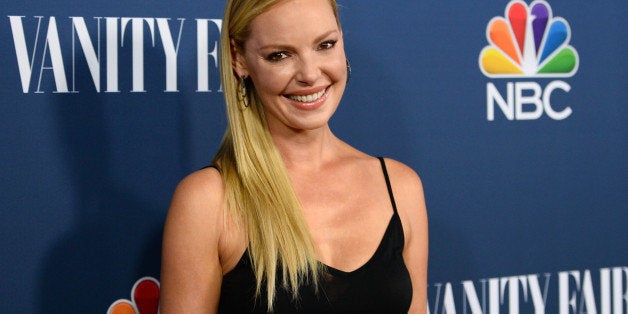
[382, 285]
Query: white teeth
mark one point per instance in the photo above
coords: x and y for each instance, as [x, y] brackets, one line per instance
[308, 98]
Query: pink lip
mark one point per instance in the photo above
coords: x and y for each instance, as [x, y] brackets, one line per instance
[309, 106]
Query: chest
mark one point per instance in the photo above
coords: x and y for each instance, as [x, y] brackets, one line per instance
[346, 218]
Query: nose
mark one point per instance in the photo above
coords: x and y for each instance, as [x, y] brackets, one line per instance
[309, 69]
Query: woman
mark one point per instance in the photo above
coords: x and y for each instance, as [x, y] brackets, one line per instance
[290, 218]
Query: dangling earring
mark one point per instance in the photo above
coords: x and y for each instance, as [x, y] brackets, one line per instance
[348, 70]
[242, 94]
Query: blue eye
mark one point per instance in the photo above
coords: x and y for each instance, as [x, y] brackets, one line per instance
[277, 56]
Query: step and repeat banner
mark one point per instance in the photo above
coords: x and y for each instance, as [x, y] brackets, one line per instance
[514, 113]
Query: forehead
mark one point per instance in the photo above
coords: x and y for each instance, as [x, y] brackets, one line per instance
[293, 19]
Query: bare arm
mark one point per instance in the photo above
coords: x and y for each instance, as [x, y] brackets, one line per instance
[408, 191]
[191, 272]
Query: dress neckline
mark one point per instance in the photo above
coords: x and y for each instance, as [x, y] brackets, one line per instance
[338, 272]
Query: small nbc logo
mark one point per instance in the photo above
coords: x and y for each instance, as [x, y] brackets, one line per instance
[144, 299]
[528, 42]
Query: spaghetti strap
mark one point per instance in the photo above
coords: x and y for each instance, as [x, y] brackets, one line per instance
[390, 192]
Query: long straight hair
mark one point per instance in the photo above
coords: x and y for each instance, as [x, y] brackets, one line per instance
[258, 190]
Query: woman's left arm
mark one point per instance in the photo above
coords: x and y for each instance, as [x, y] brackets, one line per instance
[408, 191]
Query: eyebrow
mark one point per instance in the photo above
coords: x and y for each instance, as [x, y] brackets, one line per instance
[317, 39]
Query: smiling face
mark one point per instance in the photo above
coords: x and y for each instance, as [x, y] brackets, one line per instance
[295, 57]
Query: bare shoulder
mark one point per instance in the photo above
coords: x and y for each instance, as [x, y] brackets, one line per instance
[408, 192]
[200, 191]
[191, 271]
[404, 179]
[196, 212]
[197, 203]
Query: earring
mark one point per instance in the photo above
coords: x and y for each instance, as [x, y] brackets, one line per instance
[348, 70]
[242, 94]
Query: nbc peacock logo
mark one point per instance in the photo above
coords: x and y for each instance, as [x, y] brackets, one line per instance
[528, 42]
[144, 299]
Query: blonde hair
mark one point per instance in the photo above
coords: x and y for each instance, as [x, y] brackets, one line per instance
[258, 191]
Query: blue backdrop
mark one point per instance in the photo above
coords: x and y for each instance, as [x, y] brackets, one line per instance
[106, 105]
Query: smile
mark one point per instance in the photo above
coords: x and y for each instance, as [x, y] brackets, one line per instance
[308, 98]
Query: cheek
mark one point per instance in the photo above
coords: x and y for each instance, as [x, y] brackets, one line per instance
[338, 67]
[271, 81]
[340, 70]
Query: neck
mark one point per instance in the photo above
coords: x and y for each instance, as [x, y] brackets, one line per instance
[305, 149]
